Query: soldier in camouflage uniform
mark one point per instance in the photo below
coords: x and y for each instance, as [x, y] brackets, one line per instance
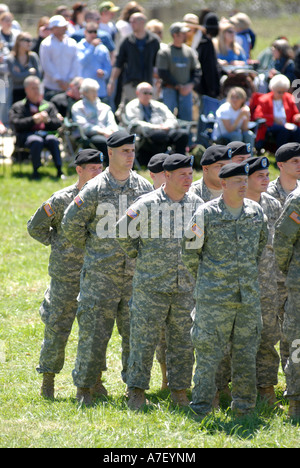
[209, 186]
[240, 151]
[157, 174]
[60, 304]
[267, 359]
[106, 279]
[288, 162]
[162, 286]
[287, 251]
[222, 248]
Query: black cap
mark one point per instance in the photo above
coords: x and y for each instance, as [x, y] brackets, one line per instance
[216, 153]
[88, 156]
[239, 148]
[120, 138]
[287, 151]
[155, 164]
[234, 169]
[257, 164]
[177, 161]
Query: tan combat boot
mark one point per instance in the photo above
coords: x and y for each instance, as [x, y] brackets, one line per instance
[98, 389]
[164, 382]
[84, 396]
[47, 388]
[294, 410]
[136, 398]
[180, 398]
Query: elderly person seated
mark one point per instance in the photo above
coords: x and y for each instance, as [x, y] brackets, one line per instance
[282, 116]
[94, 118]
[35, 122]
[155, 123]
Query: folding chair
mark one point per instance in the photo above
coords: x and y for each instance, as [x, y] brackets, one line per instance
[207, 119]
[73, 139]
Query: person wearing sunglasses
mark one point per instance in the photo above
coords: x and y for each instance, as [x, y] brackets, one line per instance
[94, 59]
[22, 62]
[156, 125]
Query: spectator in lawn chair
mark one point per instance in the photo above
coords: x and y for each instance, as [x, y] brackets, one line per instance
[35, 122]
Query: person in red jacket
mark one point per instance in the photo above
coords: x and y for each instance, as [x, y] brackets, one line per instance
[279, 109]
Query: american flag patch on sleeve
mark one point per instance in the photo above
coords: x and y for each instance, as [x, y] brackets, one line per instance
[196, 230]
[78, 201]
[131, 213]
[48, 209]
[295, 217]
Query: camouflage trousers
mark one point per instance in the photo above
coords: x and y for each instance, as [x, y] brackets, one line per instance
[58, 312]
[291, 330]
[213, 330]
[149, 311]
[96, 319]
[267, 358]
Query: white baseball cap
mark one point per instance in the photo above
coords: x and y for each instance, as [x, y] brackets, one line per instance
[57, 21]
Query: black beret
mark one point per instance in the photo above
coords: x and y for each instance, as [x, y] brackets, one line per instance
[239, 148]
[155, 164]
[120, 138]
[257, 164]
[216, 153]
[177, 161]
[234, 169]
[88, 156]
[287, 151]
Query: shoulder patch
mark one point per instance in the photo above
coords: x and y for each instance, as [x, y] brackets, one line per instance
[48, 209]
[79, 202]
[132, 214]
[295, 217]
[197, 230]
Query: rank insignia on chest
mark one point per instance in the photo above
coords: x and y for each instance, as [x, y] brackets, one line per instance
[132, 214]
[295, 217]
[48, 209]
[79, 202]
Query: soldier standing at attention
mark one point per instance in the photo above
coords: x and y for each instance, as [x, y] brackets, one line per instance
[162, 286]
[267, 359]
[59, 308]
[288, 161]
[287, 251]
[221, 249]
[106, 279]
[209, 186]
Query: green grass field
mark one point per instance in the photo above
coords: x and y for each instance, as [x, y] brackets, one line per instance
[27, 420]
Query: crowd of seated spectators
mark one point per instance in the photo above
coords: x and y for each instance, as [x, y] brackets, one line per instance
[90, 64]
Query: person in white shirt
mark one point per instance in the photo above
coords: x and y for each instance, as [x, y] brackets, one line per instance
[58, 55]
[94, 117]
[233, 118]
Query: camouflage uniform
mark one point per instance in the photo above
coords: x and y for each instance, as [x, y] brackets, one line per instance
[162, 289]
[106, 279]
[224, 260]
[58, 310]
[276, 190]
[267, 359]
[200, 188]
[287, 251]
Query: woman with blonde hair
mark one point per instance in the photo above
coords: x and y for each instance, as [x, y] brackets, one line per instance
[233, 118]
[22, 62]
[228, 50]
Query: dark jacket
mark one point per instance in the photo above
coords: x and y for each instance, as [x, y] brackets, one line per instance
[137, 66]
[21, 119]
[210, 79]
